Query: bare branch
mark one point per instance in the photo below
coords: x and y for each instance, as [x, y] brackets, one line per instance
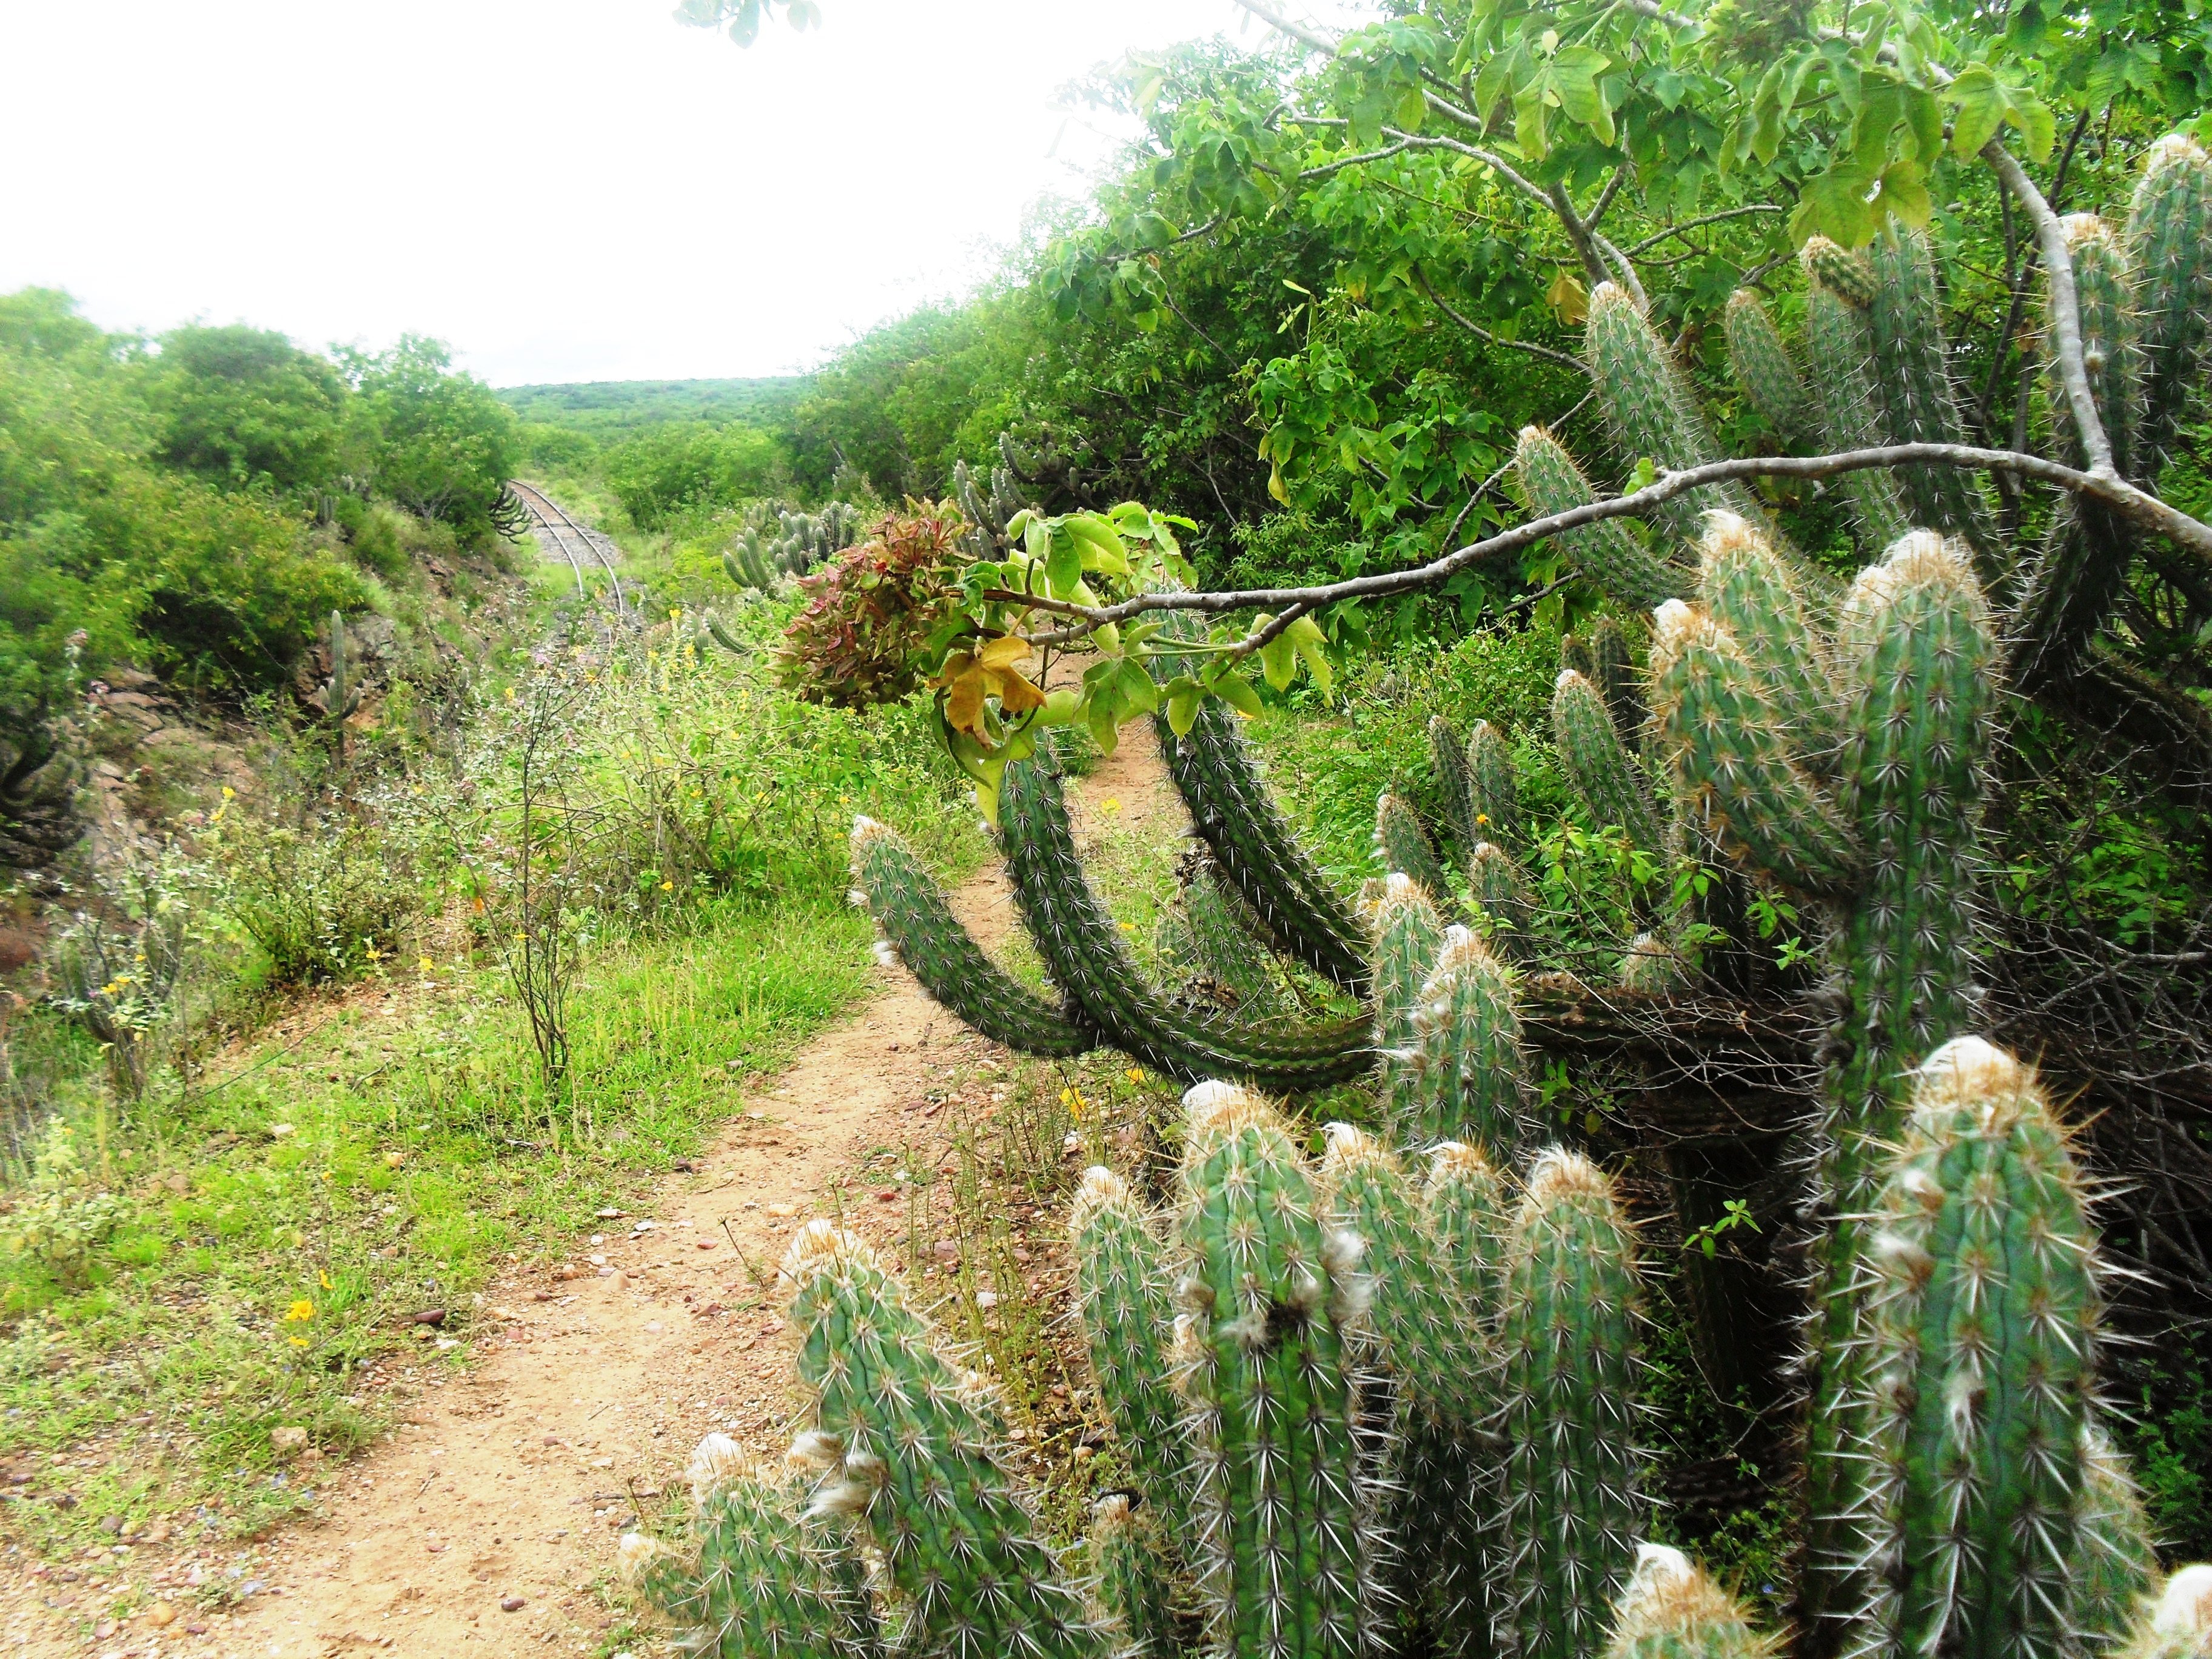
[2129, 503]
[1344, 161]
[1653, 240]
[2065, 311]
[1298, 32]
[1481, 333]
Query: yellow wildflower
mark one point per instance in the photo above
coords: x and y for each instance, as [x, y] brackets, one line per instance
[300, 1312]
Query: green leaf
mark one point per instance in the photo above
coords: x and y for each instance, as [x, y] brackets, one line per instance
[1063, 564]
[1236, 691]
[1307, 640]
[1137, 691]
[2038, 128]
[1978, 108]
[1904, 193]
[1184, 697]
[1278, 661]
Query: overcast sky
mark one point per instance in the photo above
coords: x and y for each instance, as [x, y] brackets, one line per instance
[565, 190]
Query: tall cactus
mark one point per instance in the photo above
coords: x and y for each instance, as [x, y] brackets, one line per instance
[1448, 760]
[1569, 1385]
[1402, 845]
[2115, 1563]
[1597, 763]
[1493, 793]
[1616, 676]
[1272, 1300]
[1467, 1078]
[2169, 246]
[1130, 1569]
[1981, 1363]
[1408, 932]
[1672, 1609]
[1607, 553]
[1838, 287]
[916, 1446]
[1762, 363]
[1502, 894]
[1122, 1302]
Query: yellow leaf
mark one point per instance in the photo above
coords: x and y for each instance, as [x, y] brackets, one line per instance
[1015, 694]
[1005, 651]
[1568, 298]
[963, 702]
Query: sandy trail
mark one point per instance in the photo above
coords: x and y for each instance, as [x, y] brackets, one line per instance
[481, 1523]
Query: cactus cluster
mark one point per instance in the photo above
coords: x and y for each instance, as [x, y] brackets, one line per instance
[776, 541]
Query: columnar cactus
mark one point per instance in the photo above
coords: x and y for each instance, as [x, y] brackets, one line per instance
[914, 1448]
[1408, 932]
[1402, 845]
[1130, 1570]
[1762, 363]
[2115, 1563]
[1838, 288]
[1983, 1327]
[1672, 1609]
[1448, 759]
[1493, 795]
[1502, 894]
[1569, 1385]
[1617, 676]
[1597, 763]
[1467, 1078]
[1608, 553]
[1121, 1300]
[2169, 246]
[1272, 1302]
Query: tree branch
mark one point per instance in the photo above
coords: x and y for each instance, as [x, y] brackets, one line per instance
[2129, 503]
[1548, 353]
[1298, 32]
[2065, 311]
[1635, 248]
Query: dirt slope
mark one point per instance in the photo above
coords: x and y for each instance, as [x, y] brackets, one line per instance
[480, 1524]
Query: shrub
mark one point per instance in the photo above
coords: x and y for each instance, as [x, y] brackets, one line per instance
[858, 639]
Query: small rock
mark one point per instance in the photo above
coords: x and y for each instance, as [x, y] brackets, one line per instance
[987, 1298]
[433, 1316]
[506, 1314]
[597, 1261]
[511, 1604]
[947, 1250]
[288, 1441]
[782, 1209]
[278, 1131]
[887, 1196]
[546, 1296]
[609, 1215]
[706, 1243]
[112, 1524]
[684, 1166]
[105, 1629]
[162, 1615]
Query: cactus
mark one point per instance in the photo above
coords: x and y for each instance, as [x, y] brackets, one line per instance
[1129, 1566]
[1673, 1610]
[1122, 1301]
[1983, 1324]
[1212, 936]
[1501, 892]
[1448, 759]
[1087, 959]
[1607, 554]
[2169, 246]
[1402, 846]
[1575, 654]
[1615, 674]
[917, 923]
[1652, 966]
[1596, 764]
[1652, 411]
[1430, 1322]
[1491, 792]
[761, 1578]
[1466, 1079]
[2115, 1564]
[342, 690]
[1839, 288]
[1919, 404]
[1762, 363]
[1408, 933]
[1750, 591]
[1271, 1304]
[914, 1445]
[1569, 1384]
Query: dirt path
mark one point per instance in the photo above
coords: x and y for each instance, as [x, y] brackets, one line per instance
[481, 1523]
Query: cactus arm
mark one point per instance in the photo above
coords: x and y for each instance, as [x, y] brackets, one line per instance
[1982, 1319]
[917, 1442]
[2169, 239]
[1402, 846]
[1492, 793]
[1607, 554]
[1222, 936]
[1469, 1077]
[1748, 590]
[1836, 335]
[1215, 772]
[1598, 764]
[1920, 403]
[1616, 675]
[1762, 363]
[2115, 1564]
[1085, 956]
[1727, 745]
[1121, 1303]
[1270, 1299]
[1408, 932]
[1573, 1479]
[1502, 894]
[918, 923]
[1130, 1568]
[1448, 760]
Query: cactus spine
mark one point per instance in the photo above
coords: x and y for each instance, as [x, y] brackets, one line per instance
[1492, 794]
[1271, 1300]
[1402, 845]
[1121, 1300]
[1598, 765]
[915, 1443]
[2169, 244]
[1615, 675]
[917, 922]
[1983, 1326]
[1749, 591]
[1501, 892]
[1607, 553]
[2115, 1565]
[1448, 759]
[1762, 363]
[1835, 336]
[1573, 1479]
[1408, 932]
[1467, 1077]
[1129, 1567]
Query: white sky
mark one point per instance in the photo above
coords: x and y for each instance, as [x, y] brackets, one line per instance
[565, 190]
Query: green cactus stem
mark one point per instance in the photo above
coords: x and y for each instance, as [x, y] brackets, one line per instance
[1672, 1609]
[1575, 653]
[760, 1577]
[1468, 1077]
[1598, 765]
[1134, 1579]
[1570, 1384]
[1408, 933]
[1219, 940]
[1749, 590]
[1762, 363]
[1402, 844]
[1448, 760]
[1652, 411]
[1920, 403]
[1615, 674]
[1505, 900]
[2115, 1565]
[2178, 1625]
[1491, 790]
[2169, 244]
[919, 925]
[1846, 275]
[1122, 1301]
[915, 1444]
[1607, 554]
[1837, 338]
[1463, 1204]
[1983, 1325]
[1652, 967]
[1086, 957]
[1215, 772]
[1271, 1299]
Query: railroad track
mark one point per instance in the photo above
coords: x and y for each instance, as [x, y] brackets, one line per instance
[563, 537]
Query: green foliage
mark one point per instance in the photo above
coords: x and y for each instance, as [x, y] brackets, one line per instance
[439, 443]
[659, 473]
[244, 407]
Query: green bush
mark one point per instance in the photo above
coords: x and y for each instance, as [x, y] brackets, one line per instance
[690, 465]
[245, 408]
